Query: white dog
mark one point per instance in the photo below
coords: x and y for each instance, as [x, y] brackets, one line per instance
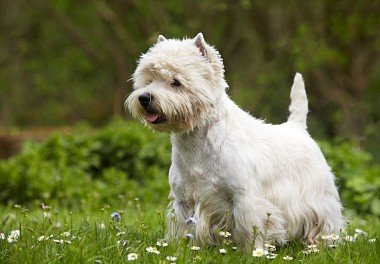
[230, 171]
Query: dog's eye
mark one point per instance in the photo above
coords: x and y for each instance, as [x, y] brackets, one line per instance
[175, 82]
[149, 82]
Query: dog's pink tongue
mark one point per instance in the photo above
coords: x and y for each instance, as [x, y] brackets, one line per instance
[151, 117]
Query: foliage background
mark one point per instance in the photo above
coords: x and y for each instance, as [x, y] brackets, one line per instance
[65, 62]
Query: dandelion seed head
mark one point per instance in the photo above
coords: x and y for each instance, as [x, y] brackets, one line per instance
[2, 236]
[223, 251]
[372, 240]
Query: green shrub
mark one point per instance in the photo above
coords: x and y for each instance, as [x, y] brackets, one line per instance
[357, 177]
[115, 161]
[125, 160]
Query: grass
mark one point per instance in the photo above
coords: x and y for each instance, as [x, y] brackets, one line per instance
[56, 235]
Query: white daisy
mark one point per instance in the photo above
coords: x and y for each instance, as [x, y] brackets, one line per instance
[162, 243]
[195, 248]
[66, 234]
[225, 234]
[13, 236]
[287, 258]
[259, 252]
[222, 251]
[152, 250]
[271, 256]
[171, 258]
[132, 256]
[349, 238]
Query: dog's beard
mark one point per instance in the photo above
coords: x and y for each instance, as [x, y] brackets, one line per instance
[170, 111]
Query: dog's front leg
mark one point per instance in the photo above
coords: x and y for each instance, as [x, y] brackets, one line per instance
[257, 221]
[178, 213]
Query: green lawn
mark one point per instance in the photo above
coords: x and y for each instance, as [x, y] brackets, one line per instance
[86, 236]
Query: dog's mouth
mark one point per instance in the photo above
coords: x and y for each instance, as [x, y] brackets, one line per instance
[154, 118]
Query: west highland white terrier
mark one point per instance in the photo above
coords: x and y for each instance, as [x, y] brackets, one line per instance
[232, 172]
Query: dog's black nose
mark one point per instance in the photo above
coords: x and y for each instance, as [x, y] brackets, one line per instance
[145, 99]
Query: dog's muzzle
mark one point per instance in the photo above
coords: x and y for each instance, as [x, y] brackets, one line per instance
[151, 115]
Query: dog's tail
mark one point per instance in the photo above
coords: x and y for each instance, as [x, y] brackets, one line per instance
[298, 106]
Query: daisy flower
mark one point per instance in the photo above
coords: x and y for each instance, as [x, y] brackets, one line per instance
[259, 252]
[132, 256]
[271, 256]
[152, 250]
[171, 258]
[13, 236]
[225, 234]
[195, 248]
[162, 243]
[222, 251]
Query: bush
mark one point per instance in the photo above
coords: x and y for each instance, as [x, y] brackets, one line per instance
[357, 177]
[115, 161]
[126, 160]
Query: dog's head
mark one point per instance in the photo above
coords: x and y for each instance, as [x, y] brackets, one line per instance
[177, 84]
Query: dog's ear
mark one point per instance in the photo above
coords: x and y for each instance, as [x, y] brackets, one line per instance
[160, 38]
[200, 43]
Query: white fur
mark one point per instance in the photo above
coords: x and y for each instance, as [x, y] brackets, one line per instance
[229, 170]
